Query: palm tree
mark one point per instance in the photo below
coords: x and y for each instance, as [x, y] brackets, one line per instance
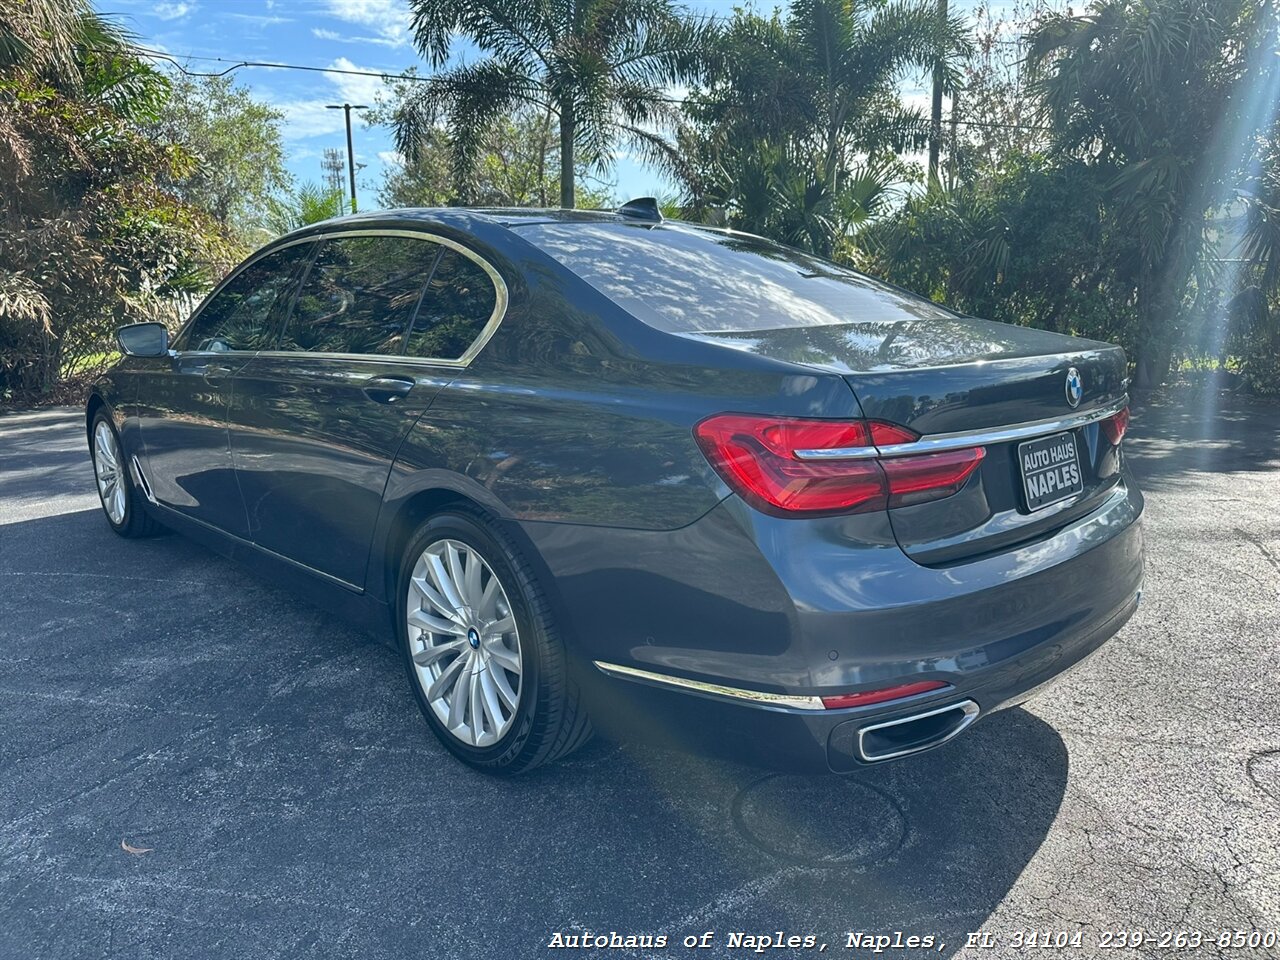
[1159, 98]
[310, 203]
[55, 39]
[601, 68]
[798, 134]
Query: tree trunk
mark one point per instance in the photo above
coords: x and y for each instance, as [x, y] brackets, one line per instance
[566, 154]
[542, 159]
[935, 113]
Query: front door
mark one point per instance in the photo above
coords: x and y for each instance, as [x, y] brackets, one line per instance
[316, 422]
[184, 398]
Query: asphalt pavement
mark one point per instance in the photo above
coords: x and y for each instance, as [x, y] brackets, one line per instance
[293, 803]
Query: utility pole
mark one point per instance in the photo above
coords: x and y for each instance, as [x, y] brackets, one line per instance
[935, 127]
[346, 108]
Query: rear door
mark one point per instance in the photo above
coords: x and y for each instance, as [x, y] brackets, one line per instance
[382, 321]
[184, 398]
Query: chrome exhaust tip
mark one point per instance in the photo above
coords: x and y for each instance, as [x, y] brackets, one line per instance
[914, 733]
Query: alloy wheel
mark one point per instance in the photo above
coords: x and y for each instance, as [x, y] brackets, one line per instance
[464, 642]
[108, 467]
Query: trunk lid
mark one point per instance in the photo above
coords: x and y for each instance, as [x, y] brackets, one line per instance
[943, 376]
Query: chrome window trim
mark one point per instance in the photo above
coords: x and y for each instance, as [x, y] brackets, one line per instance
[717, 690]
[940, 442]
[967, 707]
[501, 301]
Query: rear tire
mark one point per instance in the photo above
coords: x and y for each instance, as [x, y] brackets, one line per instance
[122, 504]
[485, 661]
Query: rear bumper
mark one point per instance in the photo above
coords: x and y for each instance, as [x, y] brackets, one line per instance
[724, 635]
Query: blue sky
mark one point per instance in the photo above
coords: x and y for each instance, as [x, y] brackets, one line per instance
[348, 34]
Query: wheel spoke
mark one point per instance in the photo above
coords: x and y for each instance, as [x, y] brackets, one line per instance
[491, 700]
[497, 681]
[430, 655]
[458, 698]
[505, 657]
[470, 585]
[453, 562]
[499, 627]
[441, 577]
[435, 599]
[448, 678]
[489, 597]
[477, 708]
[105, 444]
[426, 621]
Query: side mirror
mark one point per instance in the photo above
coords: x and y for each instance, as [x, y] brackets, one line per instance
[143, 339]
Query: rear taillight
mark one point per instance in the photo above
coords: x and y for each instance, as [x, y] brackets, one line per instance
[1114, 426]
[789, 465]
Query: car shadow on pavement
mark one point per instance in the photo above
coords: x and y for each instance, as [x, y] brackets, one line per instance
[295, 804]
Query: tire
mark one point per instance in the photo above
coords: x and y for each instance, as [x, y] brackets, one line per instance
[122, 504]
[462, 659]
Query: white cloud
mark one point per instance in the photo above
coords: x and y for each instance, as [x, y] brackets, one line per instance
[260, 19]
[309, 118]
[313, 118]
[324, 34]
[391, 158]
[389, 19]
[353, 88]
[173, 11]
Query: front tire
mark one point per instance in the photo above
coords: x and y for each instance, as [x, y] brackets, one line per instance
[121, 501]
[484, 659]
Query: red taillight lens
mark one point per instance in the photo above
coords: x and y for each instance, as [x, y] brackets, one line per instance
[868, 697]
[757, 456]
[1114, 427]
[930, 476]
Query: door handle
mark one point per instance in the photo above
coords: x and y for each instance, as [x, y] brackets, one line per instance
[214, 372]
[388, 389]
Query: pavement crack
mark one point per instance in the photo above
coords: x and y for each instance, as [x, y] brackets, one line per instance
[1267, 555]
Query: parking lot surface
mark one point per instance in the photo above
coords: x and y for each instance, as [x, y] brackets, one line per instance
[294, 804]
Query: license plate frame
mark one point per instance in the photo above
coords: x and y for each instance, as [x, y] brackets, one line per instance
[1049, 475]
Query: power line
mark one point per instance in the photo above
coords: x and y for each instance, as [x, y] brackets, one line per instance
[237, 64]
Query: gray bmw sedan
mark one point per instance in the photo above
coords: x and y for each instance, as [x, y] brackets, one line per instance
[604, 471]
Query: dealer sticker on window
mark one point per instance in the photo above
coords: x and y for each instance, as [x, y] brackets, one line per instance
[1050, 469]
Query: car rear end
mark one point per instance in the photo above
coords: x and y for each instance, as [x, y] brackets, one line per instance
[896, 575]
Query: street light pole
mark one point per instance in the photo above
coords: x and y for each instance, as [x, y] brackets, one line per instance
[346, 109]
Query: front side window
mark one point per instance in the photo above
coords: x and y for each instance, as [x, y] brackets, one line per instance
[360, 295]
[457, 305]
[243, 314]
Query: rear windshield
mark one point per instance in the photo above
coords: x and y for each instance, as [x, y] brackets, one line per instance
[684, 279]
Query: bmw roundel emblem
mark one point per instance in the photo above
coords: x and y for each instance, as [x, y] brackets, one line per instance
[1075, 387]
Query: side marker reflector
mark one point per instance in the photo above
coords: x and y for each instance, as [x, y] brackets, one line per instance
[884, 694]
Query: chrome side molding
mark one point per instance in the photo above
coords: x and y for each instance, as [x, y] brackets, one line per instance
[940, 442]
[140, 479]
[734, 694]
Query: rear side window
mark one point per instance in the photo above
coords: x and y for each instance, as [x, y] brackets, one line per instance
[683, 279]
[244, 313]
[458, 302]
[360, 295]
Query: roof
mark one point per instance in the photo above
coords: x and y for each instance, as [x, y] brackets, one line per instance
[463, 217]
